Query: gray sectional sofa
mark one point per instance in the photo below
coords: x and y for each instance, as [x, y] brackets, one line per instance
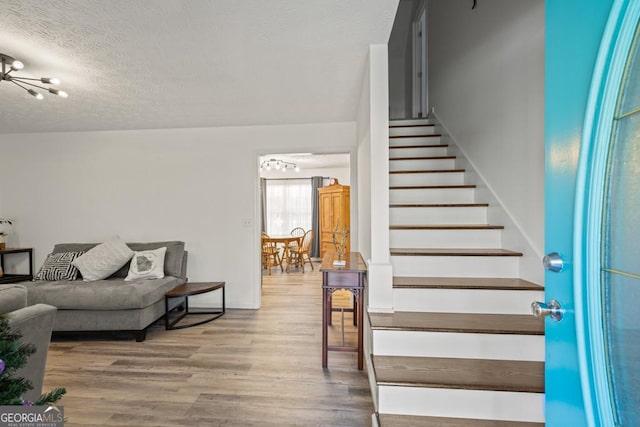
[112, 304]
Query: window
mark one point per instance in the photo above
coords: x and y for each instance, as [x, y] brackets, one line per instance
[288, 205]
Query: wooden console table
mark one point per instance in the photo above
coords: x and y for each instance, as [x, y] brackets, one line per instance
[14, 278]
[352, 278]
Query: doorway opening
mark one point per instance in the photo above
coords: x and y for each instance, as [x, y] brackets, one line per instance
[290, 207]
[419, 35]
[408, 61]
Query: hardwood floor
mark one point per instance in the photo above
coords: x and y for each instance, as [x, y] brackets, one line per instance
[247, 368]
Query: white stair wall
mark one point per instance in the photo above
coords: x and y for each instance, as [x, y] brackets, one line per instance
[436, 300]
[410, 122]
[412, 130]
[417, 140]
[422, 164]
[426, 179]
[455, 266]
[432, 195]
[480, 404]
[445, 238]
[438, 215]
[418, 151]
[458, 345]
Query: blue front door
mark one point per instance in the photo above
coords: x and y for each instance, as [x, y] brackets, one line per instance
[592, 142]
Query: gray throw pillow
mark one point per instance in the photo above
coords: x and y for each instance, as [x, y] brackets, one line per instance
[103, 260]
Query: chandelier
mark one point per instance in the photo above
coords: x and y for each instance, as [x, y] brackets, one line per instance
[10, 64]
[278, 165]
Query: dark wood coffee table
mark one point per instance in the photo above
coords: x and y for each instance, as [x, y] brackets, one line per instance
[185, 291]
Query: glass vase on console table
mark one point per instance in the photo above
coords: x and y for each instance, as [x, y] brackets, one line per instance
[340, 236]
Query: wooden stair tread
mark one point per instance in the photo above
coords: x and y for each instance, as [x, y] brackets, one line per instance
[410, 126]
[400, 147]
[439, 205]
[472, 323]
[452, 252]
[499, 283]
[448, 227]
[429, 187]
[430, 135]
[423, 158]
[429, 171]
[390, 420]
[453, 373]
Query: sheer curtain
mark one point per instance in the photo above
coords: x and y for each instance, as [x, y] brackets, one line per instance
[289, 205]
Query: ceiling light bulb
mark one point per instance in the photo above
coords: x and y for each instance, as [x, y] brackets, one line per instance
[284, 168]
[60, 93]
[297, 169]
[51, 80]
[278, 165]
[17, 65]
[35, 94]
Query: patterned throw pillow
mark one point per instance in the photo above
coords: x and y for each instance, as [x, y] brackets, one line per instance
[103, 260]
[58, 267]
[147, 264]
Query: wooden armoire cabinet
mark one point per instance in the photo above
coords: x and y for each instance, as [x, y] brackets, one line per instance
[334, 206]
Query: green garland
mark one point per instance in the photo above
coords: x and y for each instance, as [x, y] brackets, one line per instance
[13, 356]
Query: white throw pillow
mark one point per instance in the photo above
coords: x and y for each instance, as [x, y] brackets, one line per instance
[147, 264]
[103, 260]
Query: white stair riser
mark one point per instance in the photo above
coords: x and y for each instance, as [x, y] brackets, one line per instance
[410, 122]
[487, 238]
[458, 345]
[438, 215]
[415, 140]
[459, 403]
[394, 153]
[455, 266]
[412, 130]
[432, 195]
[424, 164]
[490, 301]
[431, 178]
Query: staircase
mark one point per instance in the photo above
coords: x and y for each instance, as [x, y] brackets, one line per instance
[461, 348]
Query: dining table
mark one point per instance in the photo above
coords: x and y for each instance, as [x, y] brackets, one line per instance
[286, 241]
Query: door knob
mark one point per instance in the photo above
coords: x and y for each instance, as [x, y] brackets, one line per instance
[551, 309]
[553, 262]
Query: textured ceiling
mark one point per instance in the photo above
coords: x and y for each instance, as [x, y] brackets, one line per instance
[188, 63]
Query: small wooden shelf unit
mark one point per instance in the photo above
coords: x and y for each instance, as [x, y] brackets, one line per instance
[15, 277]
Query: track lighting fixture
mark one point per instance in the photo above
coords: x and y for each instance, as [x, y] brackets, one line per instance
[279, 165]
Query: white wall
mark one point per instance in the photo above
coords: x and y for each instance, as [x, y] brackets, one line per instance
[342, 174]
[486, 84]
[196, 185]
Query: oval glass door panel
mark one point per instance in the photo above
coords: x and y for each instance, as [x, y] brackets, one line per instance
[620, 249]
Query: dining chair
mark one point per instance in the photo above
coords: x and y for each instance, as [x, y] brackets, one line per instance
[302, 253]
[270, 253]
[296, 232]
